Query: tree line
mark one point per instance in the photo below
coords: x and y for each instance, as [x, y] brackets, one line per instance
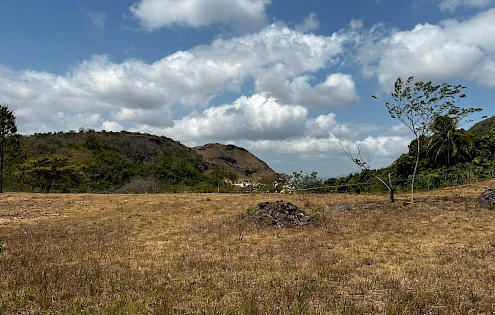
[441, 154]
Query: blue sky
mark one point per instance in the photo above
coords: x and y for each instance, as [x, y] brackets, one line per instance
[284, 79]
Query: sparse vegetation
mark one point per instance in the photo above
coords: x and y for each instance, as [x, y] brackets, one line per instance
[178, 254]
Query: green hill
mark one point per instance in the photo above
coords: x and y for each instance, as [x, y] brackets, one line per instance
[89, 161]
[483, 126]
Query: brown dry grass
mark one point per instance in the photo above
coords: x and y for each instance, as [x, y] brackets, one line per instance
[196, 254]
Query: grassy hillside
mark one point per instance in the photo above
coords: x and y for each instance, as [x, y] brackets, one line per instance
[195, 254]
[483, 126]
[135, 147]
[89, 161]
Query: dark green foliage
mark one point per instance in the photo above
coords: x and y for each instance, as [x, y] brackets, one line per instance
[219, 173]
[448, 142]
[451, 157]
[483, 127]
[117, 162]
[13, 156]
[8, 141]
[309, 182]
[47, 172]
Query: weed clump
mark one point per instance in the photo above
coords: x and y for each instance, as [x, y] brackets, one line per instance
[279, 214]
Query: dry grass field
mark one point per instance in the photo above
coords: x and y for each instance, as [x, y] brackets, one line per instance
[198, 254]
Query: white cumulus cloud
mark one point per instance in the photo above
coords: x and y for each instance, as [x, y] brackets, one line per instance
[254, 117]
[452, 49]
[310, 23]
[338, 89]
[325, 126]
[373, 147]
[134, 92]
[244, 15]
[111, 126]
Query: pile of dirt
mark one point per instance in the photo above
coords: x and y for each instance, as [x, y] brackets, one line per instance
[487, 199]
[281, 214]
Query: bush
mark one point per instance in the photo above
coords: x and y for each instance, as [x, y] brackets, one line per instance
[139, 185]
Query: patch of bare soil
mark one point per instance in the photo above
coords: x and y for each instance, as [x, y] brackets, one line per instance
[16, 207]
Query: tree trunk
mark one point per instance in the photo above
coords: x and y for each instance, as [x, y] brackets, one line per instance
[391, 188]
[415, 169]
[448, 158]
[1, 163]
[49, 185]
[2, 135]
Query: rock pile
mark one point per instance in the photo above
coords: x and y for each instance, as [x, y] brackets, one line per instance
[280, 214]
[487, 199]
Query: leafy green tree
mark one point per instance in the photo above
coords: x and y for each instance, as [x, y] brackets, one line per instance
[489, 141]
[43, 172]
[306, 181]
[418, 104]
[447, 140]
[8, 131]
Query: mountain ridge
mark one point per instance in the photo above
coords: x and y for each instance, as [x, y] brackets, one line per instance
[107, 161]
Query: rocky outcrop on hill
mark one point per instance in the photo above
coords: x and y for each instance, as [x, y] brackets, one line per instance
[239, 160]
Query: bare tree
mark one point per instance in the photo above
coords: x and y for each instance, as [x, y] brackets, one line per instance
[364, 164]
